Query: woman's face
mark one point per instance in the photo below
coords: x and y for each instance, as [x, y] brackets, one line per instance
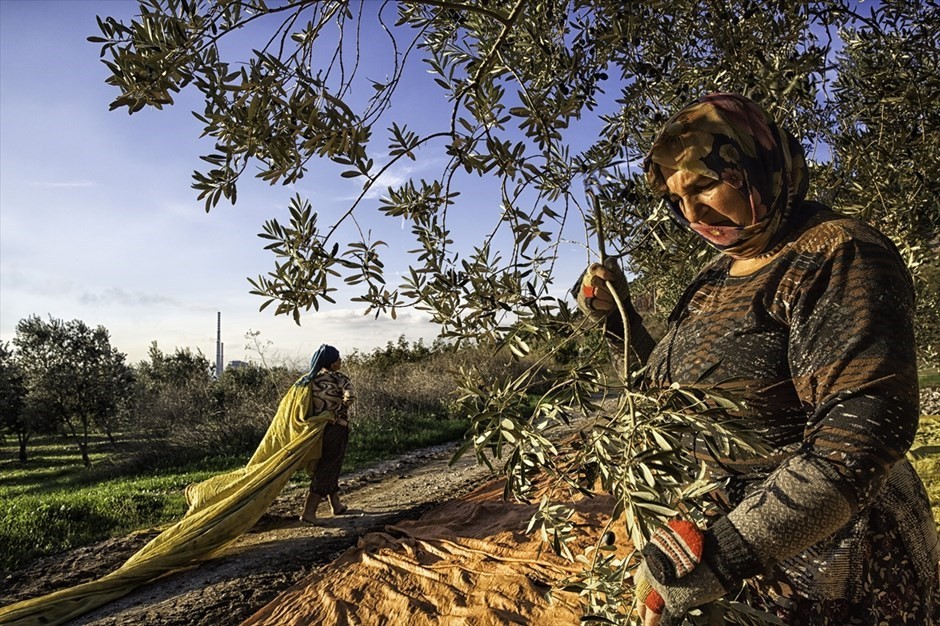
[335, 365]
[707, 202]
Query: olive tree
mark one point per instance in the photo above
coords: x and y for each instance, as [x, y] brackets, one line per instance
[172, 389]
[886, 144]
[73, 376]
[552, 104]
[13, 399]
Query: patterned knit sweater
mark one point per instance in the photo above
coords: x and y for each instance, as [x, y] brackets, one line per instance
[821, 339]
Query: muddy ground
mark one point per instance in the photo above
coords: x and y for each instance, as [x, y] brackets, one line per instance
[274, 555]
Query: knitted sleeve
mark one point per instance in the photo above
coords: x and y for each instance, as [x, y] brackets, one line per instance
[851, 355]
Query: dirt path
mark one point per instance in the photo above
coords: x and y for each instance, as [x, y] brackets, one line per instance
[271, 557]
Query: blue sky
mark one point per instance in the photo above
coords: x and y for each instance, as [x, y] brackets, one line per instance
[98, 221]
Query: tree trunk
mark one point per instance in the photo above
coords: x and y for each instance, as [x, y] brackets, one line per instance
[82, 442]
[23, 440]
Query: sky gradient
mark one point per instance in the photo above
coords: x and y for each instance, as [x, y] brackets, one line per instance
[98, 221]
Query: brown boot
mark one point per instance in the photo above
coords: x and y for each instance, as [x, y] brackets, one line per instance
[311, 503]
[338, 507]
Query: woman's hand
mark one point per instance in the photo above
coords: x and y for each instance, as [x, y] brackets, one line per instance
[594, 288]
[673, 578]
[597, 288]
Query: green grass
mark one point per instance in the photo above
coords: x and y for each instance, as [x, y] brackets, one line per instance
[396, 434]
[35, 525]
[929, 468]
[52, 503]
[929, 378]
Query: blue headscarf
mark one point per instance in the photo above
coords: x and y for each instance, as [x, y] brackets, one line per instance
[324, 357]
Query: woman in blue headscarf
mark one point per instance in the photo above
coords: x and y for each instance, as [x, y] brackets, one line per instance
[330, 391]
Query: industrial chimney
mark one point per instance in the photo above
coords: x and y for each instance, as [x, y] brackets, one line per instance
[218, 346]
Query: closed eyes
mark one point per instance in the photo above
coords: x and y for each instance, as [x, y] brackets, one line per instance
[706, 185]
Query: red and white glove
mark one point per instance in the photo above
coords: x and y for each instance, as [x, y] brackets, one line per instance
[673, 577]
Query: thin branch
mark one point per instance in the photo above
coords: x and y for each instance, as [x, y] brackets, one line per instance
[457, 6]
[489, 59]
[368, 186]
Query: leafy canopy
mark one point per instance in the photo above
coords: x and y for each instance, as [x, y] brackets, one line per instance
[73, 377]
[551, 103]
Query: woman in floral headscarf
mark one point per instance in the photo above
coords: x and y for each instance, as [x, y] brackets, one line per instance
[811, 313]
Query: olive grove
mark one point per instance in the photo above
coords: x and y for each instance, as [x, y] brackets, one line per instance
[74, 380]
[553, 104]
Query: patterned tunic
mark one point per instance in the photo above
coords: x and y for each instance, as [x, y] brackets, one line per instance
[835, 525]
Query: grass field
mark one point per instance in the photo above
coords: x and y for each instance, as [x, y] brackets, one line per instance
[929, 468]
[929, 378]
[52, 503]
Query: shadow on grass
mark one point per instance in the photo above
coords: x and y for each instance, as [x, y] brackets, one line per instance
[49, 471]
[47, 530]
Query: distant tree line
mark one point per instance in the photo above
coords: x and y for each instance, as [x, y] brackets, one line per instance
[65, 378]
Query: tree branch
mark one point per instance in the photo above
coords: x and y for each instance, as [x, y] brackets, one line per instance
[503, 35]
[457, 6]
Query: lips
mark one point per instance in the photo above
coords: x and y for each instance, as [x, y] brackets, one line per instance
[718, 235]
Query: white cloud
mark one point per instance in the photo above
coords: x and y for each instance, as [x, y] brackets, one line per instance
[63, 184]
[122, 297]
[393, 177]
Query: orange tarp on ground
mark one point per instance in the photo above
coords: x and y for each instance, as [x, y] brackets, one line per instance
[468, 563]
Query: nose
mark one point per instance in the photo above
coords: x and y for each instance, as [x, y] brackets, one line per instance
[692, 208]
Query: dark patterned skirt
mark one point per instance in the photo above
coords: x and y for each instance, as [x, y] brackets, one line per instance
[326, 472]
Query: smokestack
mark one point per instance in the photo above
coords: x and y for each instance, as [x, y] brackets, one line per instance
[218, 345]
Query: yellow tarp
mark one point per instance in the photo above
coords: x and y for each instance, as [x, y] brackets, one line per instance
[221, 509]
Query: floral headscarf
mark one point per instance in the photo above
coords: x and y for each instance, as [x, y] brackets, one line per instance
[730, 138]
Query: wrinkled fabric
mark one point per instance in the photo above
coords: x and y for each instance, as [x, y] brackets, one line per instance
[220, 510]
[728, 137]
[468, 562]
